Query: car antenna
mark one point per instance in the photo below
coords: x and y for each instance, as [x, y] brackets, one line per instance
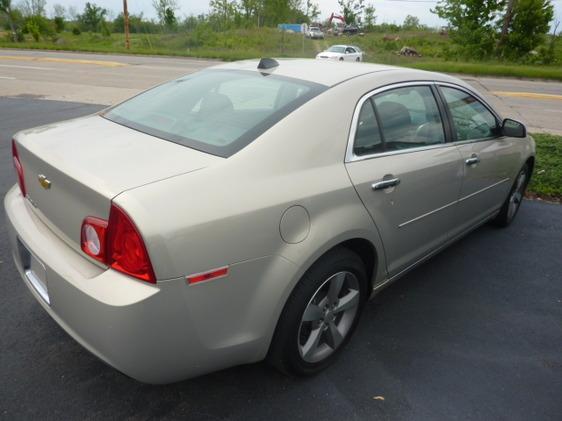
[267, 63]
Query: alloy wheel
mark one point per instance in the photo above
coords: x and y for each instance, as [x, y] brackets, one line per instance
[517, 194]
[329, 316]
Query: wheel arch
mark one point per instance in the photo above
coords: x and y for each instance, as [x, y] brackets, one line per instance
[531, 162]
[362, 246]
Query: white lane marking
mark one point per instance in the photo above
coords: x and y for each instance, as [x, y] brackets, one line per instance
[7, 77]
[13, 66]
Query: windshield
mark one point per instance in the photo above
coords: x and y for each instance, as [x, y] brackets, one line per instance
[336, 49]
[214, 111]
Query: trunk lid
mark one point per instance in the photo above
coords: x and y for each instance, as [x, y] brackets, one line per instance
[89, 161]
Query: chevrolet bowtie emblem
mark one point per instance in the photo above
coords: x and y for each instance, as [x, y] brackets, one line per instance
[45, 183]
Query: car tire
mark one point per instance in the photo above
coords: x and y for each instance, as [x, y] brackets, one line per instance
[358, 59]
[513, 202]
[341, 58]
[316, 322]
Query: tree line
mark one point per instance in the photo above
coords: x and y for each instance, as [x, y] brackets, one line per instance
[478, 29]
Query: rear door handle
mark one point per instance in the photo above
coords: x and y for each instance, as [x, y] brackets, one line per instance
[384, 184]
[472, 160]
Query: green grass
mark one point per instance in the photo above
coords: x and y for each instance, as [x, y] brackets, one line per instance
[238, 44]
[493, 69]
[547, 176]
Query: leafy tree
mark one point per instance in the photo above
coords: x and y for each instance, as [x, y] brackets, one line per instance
[369, 16]
[529, 24]
[224, 11]
[351, 10]
[166, 11]
[253, 11]
[170, 18]
[59, 12]
[6, 9]
[312, 10]
[59, 23]
[33, 7]
[93, 17]
[72, 13]
[473, 24]
[411, 23]
[137, 24]
[276, 11]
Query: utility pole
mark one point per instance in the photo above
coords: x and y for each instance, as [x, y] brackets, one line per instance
[126, 20]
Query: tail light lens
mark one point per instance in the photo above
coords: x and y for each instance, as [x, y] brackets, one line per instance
[93, 238]
[18, 167]
[118, 244]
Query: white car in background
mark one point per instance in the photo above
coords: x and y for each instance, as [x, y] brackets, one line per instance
[315, 32]
[342, 53]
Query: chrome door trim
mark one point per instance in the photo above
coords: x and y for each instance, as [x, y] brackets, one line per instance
[417, 218]
[483, 190]
[435, 251]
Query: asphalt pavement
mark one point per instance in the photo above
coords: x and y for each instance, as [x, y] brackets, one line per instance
[473, 334]
[111, 78]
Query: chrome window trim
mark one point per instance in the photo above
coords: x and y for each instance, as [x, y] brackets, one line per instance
[351, 157]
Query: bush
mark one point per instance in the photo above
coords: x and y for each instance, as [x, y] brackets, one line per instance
[59, 23]
[76, 31]
[32, 28]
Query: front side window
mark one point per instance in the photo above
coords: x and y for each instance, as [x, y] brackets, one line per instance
[215, 111]
[471, 119]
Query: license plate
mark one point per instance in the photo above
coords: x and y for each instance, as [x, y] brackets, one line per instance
[35, 272]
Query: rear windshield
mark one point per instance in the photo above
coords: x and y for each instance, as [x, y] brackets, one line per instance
[214, 111]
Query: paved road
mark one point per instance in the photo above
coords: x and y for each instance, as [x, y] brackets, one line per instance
[107, 79]
[474, 334]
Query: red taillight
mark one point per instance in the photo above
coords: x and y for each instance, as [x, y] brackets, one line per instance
[118, 244]
[126, 251]
[18, 167]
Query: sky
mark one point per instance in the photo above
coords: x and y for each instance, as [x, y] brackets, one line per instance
[387, 11]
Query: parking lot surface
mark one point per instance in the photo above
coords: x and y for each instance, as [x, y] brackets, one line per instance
[475, 333]
[111, 78]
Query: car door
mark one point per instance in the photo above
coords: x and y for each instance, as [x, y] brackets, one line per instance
[404, 171]
[488, 158]
[350, 54]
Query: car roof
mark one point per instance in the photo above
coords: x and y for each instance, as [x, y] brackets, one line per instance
[326, 72]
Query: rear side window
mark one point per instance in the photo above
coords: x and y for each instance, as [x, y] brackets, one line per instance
[215, 111]
[397, 119]
[409, 117]
[368, 138]
[471, 119]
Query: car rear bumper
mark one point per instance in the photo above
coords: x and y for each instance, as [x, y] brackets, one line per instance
[155, 334]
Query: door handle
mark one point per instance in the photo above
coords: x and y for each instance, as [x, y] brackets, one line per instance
[384, 184]
[472, 160]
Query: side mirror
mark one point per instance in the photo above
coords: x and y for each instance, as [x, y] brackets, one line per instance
[512, 128]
